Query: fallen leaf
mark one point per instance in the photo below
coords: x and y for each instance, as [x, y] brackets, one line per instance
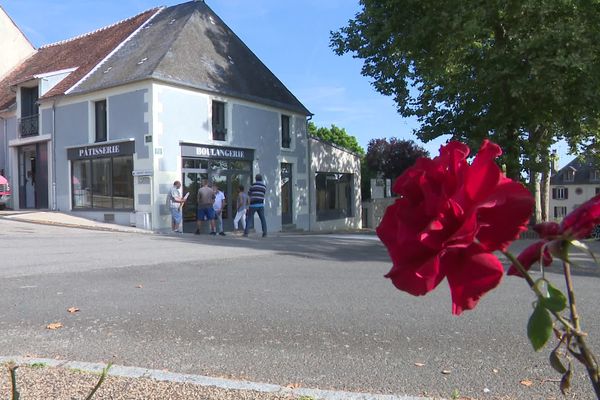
[495, 370]
[55, 325]
[72, 310]
[446, 372]
[526, 382]
[292, 386]
[419, 364]
[139, 286]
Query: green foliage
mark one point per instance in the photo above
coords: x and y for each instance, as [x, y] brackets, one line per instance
[539, 327]
[523, 73]
[337, 136]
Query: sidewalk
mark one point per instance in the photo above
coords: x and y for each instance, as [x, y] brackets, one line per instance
[65, 219]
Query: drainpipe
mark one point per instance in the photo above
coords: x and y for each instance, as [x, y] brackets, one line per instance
[53, 139]
[310, 176]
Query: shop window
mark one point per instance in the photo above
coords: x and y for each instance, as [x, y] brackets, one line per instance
[103, 183]
[100, 118]
[286, 139]
[218, 120]
[334, 195]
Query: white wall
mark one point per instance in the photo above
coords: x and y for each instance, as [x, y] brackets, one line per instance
[15, 46]
[327, 158]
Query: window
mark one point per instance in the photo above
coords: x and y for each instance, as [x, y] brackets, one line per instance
[286, 139]
[218, 120]
[334, 195]
[597, 190]
[29, 121]
[560, 193]
[595, 175]
[569, 176]
[103, 183]
[100, 118]
[578, 191]
[560, 212]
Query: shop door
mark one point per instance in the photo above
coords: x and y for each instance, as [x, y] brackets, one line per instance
[286, 194]
[191, 182]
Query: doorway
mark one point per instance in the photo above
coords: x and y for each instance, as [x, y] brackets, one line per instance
[287, 216]
[228, 175]
[33, 176]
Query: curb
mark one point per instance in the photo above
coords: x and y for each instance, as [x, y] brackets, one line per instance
[231, 384]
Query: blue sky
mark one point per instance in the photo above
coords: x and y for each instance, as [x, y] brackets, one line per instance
[290, 37]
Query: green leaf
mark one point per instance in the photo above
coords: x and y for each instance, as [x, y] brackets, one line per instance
[556, 363]
[555, 301]
[539, 327]
[565, 382]
[582, 246]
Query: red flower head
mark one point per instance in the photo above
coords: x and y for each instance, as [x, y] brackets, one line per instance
[577, 225]
[580, 222]
[449, 218]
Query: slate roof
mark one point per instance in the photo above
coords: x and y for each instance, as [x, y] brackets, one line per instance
[188, 44]
[584, 172]
[83, 53]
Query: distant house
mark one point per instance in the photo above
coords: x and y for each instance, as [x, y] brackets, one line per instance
[102, 124]
[573, 185]
[15, 46]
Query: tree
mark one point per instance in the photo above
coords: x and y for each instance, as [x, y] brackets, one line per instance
[391, 158]
[524, 73]
[337, 136]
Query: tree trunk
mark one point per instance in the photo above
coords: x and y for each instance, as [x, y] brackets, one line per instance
[545, 186]
[534, 186]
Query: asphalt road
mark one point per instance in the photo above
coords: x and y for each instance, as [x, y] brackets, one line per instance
[312, 310]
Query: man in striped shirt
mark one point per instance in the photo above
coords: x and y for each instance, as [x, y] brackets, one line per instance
[257, 204]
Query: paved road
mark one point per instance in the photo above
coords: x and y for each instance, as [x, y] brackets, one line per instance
[313, 310]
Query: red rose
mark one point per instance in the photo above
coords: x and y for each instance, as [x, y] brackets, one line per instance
[580, 222]
[449, 218]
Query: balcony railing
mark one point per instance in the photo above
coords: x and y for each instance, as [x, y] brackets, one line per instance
[29, 126]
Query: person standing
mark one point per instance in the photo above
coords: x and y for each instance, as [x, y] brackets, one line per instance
[218, 207]
[257, 193]
[242, 206]
[205, 212]
[175, 203]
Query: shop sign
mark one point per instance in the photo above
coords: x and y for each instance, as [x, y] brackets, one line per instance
[217, 152]
[100, 151]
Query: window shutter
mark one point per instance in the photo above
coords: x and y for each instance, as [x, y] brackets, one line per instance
[566, 193]
[554, 198]
[555, 212]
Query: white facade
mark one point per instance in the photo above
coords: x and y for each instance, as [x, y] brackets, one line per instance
[15, 46]
[325, 158]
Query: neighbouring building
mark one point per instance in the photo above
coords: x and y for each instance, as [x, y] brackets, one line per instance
[572, 185]
[15, 46]
[102, 124]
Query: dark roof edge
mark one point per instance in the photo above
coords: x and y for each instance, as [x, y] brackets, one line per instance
[334, 145]
[259, 100]
[259, 60]
[156, 11]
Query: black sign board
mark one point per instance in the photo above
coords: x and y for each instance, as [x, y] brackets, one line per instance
[101, 151]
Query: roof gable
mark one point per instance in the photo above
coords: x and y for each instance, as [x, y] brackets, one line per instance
[188, 44]
[82, 53]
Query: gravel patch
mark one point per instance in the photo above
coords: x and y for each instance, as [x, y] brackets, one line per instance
[43, 383]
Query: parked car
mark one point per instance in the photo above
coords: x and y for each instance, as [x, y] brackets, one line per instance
[4, 192]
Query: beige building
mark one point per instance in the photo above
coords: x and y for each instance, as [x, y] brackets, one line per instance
[15, 46]
[573, 185]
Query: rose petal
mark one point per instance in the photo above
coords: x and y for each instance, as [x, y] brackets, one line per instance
[471, 273]
[530, 256]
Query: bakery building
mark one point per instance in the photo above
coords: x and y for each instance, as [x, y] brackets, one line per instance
[102, 124]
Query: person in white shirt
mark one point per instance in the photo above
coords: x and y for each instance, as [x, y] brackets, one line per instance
[218, 207]
[175, 202]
